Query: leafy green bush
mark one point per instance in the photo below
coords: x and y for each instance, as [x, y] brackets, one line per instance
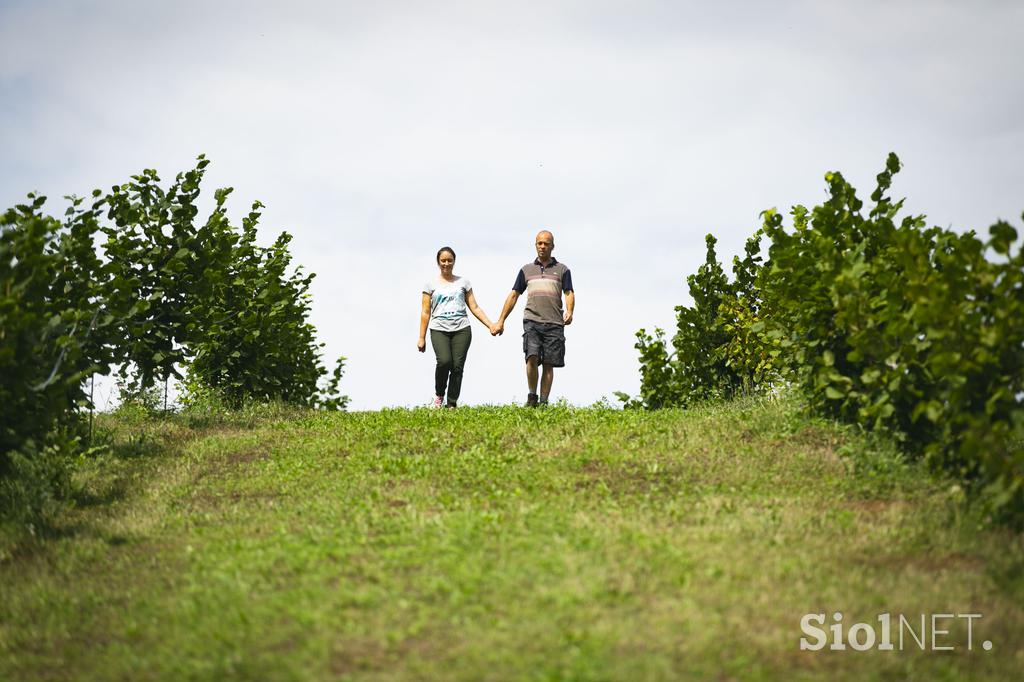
[914, 330]
[164, 291]
[257, 342]
[880, 321]
[37, 482]
[710, 358]
[150, 292]
[48, 317]
[208, 297]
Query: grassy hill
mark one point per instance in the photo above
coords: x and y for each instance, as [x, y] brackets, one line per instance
[502, 543]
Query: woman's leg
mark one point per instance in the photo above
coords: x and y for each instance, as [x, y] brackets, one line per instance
[442, 343]
[460, 349]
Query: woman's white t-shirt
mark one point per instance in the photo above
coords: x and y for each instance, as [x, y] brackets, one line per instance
[448, 311]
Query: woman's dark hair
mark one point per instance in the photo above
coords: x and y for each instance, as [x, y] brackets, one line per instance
[442, 250]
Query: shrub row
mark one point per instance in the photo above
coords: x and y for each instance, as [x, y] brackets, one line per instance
[132, 282]
[878, 320]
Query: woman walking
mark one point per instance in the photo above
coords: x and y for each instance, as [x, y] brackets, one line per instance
[445, 300]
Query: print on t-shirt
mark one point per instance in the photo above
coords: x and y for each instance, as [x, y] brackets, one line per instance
[448, 303]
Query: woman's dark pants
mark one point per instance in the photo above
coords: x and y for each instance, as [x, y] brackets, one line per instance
[451, 349]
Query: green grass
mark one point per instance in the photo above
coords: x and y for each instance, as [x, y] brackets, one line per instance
[501, 543]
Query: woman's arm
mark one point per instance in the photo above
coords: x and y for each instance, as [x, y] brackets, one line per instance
[421, 345]
[475, 309]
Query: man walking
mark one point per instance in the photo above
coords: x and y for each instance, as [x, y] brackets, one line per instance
[544, 280]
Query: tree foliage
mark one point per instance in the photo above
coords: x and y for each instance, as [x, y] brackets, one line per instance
[709, 359]
[45, 323]
[257, 341]
[50, 340]
[878, 320]
[132, 280]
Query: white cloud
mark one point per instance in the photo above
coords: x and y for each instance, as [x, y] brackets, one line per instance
[376, 132]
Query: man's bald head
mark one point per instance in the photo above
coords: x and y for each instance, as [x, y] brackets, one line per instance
[545, 244]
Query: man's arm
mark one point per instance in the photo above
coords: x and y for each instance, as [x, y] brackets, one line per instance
[570, 296]
[510, 303]
[517, 289]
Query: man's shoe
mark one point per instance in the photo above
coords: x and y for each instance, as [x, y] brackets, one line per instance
[531, 400]
[437, 402]
[451, 405]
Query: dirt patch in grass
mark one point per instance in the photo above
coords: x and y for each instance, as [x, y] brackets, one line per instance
[632, 478]
[365, 654]
[224, 466]
[932, 562]
[357, 654]
[249, 455]
[873, 508]
[811, 439]
[203, 501]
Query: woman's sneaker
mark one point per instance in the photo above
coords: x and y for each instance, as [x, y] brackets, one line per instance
[437, 402]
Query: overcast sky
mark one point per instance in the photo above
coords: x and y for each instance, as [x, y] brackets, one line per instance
[377, 132]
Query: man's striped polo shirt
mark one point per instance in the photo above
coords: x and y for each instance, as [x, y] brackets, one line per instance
[543, 285]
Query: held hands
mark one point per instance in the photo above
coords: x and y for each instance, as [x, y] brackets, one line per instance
[497, 328]
[421, 345]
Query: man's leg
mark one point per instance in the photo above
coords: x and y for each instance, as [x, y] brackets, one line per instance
[532, 350]
[531, 373]
[547, 376]
[553, 354]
